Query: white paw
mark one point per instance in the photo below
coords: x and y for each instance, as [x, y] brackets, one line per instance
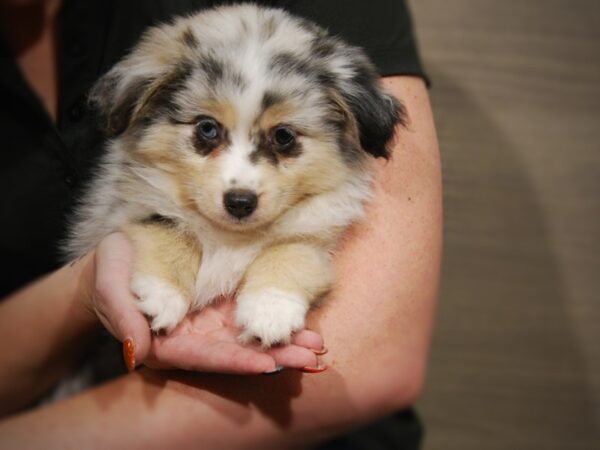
[160, 301]
[270, 315]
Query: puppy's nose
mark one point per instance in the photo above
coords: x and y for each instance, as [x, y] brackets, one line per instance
[240, 203]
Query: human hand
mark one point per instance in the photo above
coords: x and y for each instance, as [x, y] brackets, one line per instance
[205, 341]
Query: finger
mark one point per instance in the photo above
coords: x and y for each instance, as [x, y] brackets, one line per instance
[114, 302]
[192, 352]
[154, 364]
[294, 356]
[311, 340]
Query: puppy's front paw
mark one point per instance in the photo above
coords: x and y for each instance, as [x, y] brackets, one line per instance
[159, 300]
[270, 315]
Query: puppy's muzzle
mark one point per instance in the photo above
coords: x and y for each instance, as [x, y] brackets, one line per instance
[240, 203]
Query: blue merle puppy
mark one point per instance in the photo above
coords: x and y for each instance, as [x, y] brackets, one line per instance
[241, 145]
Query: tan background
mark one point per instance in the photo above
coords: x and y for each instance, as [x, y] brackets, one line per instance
[516, 354]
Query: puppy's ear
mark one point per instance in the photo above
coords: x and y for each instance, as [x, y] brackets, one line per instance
[115, 96]
[155, 68]
[376, 112]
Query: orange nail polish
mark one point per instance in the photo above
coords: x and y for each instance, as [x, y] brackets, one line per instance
[318, 369]
[129, 354]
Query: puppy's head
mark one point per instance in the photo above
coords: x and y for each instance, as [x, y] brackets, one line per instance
[244, 112]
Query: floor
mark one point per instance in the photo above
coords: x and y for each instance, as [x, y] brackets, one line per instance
[516, 93]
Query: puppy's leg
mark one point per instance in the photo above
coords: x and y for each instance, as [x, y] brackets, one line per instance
[165, 268]
[277, 290]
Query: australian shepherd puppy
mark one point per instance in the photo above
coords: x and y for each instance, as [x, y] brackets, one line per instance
[239, 151]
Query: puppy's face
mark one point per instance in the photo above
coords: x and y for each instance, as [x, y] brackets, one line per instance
[242, 158]
[245, 112]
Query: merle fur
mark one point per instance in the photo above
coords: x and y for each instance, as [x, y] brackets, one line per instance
[376, 113]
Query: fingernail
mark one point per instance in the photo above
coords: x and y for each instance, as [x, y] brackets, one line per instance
[129, 354]
[277, 369]
[319, 352]
[318, 369]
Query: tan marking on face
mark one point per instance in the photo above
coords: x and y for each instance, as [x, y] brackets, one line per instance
[223, 112]
[275, 114]
[160, 148]
[326, 169]
[280, 113]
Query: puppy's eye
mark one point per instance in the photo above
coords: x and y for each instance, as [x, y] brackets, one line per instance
[283, 137]
[208, 129]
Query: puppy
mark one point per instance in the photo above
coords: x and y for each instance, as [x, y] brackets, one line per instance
[239, 151]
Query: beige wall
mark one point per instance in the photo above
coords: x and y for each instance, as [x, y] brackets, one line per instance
[516, 94]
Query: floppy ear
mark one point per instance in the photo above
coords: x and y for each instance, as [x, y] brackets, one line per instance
[115, 97]
[375, 112]
[155, 67]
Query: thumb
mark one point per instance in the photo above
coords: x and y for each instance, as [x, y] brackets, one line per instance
[114, 302]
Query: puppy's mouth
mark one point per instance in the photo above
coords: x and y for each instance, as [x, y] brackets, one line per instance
[250, 223]
[224, 220]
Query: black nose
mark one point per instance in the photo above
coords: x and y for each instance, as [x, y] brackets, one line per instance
[240, 203]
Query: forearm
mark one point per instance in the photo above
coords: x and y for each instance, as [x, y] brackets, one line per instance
[376, 325]
[42, 329]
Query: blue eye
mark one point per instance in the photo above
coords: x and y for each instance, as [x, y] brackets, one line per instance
[208, 129]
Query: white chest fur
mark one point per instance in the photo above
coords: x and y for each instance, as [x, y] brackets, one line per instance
[221, 270]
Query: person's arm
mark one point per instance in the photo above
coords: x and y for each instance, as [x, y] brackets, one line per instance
[43, 330]
[376, 324]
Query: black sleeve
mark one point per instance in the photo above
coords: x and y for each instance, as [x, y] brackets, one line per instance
[382, 27]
